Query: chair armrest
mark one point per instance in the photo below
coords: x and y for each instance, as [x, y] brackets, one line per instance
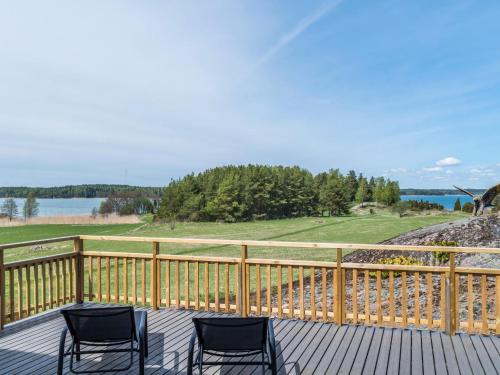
[271, 338]
[141, 321]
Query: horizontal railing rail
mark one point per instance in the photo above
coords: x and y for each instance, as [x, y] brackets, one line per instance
[436, 297]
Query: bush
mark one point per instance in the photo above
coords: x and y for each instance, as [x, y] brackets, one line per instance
[401, 207]
[442, 256]
[400, 260]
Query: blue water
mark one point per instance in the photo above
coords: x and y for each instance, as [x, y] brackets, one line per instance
[448, 201]
[83, 206]
[60, 206]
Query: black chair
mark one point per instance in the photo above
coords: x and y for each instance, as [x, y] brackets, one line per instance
[233, 337]
[104, 327]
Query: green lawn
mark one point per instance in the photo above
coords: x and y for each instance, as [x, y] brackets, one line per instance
[354, 229]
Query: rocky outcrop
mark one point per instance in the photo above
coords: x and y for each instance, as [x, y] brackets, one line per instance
[483, 231]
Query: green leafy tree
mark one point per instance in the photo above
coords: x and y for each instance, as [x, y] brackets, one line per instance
[351, 185]
[362, 193]
[334, 196]
[458, 205]
[379, 190]
[30, 208]
[9, 208]
[371, 190]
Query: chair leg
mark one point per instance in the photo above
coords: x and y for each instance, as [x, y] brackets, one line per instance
[142, 349]
[60, 360]
[146, 344]
[263, 363]
[77, 352]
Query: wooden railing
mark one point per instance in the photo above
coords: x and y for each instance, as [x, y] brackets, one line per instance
[436, 297]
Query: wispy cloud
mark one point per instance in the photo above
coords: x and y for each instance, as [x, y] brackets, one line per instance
[301, 26]
[397, 170]
[432, 169]
[486, 172]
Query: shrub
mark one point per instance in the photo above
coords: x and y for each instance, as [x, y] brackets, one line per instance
[468, 207]
[400, 260]
[442, 256]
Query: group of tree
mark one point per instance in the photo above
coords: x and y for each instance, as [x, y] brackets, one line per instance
[421, 205]
[403, 206]
[251, 192]
[126, 203]
[412, 191]
[78, 191]
[30, 207]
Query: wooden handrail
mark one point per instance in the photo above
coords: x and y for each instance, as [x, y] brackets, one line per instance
[258, 243]
[37, 242]
[290, 244]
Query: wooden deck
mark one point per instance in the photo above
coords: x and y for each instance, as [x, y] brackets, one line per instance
[303, 348]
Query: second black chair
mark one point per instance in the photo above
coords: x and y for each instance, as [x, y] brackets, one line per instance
[233, 337]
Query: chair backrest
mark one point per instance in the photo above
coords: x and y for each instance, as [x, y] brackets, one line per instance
[231, 334]
[105, 324]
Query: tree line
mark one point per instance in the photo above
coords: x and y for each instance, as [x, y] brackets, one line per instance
[253, 192]
[78, 191]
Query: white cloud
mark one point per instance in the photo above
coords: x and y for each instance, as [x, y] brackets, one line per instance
[432, 169]
[448, 171]
[448, 162]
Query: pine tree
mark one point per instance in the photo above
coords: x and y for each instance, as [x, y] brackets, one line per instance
[458, 205]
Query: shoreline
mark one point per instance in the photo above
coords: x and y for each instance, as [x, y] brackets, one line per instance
[72, 220]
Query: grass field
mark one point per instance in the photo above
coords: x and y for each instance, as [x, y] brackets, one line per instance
[354, 229]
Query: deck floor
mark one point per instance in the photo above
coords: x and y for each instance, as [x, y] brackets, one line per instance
[303, 348]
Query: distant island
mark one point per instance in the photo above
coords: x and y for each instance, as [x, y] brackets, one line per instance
[79, 191]
[411, 191]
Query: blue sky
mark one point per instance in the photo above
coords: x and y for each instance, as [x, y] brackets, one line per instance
[142, 92]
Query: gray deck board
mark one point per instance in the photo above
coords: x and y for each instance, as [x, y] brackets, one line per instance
[303, 348]
[371, 358]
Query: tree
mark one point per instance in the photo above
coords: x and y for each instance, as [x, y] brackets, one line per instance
[334, 196]
[94, 212]
[371, 189]
[362, 192]
[458, 205]
[379, 190]
[468, 207]
[30, 208]
[351, 185]
[9, 208]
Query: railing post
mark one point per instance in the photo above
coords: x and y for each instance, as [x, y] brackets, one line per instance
[451, 324]
[2, 290]
[79, 270]
[154, 276]
[242, 287]
[339, 293]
